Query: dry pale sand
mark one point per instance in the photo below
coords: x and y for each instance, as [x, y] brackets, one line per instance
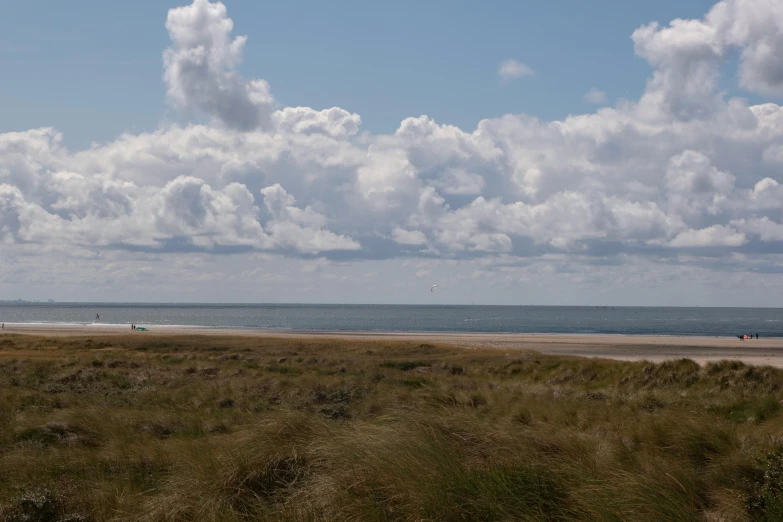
[622, 347]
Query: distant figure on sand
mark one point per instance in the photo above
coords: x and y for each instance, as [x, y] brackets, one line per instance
[757, 335]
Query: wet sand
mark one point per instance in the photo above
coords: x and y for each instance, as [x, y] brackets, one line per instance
[622, 347]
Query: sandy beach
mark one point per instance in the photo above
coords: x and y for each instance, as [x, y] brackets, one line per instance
[621, 347]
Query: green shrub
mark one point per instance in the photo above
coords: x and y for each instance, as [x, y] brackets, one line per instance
[42, 505]
[764, 498]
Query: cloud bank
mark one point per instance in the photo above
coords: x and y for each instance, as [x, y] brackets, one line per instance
[683, 171]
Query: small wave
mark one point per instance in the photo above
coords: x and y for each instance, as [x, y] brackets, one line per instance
[93, 324]
[50, 323]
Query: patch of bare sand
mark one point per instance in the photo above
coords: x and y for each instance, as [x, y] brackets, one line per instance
[622, 347]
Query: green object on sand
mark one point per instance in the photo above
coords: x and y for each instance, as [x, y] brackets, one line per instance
[141, 329]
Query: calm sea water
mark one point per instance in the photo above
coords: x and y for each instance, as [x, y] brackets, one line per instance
[768, 322]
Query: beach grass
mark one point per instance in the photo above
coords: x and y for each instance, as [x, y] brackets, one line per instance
[177, 428]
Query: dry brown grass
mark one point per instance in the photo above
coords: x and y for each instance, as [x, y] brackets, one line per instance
[222, 429]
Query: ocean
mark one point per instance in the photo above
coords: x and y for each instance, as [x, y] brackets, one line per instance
[767, 322]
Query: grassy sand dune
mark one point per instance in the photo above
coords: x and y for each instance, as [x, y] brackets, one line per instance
[240, 428]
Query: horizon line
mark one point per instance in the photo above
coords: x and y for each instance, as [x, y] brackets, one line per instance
[262, 303]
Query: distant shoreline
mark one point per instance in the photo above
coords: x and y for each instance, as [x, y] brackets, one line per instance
[187, 329]
[92, 327]
[656, 348]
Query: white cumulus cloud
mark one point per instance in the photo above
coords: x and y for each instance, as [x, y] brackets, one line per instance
[335, 122]
[200, 68]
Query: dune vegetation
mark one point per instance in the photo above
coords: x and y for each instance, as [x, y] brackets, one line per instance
[156, 428]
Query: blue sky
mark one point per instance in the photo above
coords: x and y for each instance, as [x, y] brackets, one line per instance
[92, 69]
[336, 155]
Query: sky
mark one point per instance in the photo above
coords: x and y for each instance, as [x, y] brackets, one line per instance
[613, 153]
